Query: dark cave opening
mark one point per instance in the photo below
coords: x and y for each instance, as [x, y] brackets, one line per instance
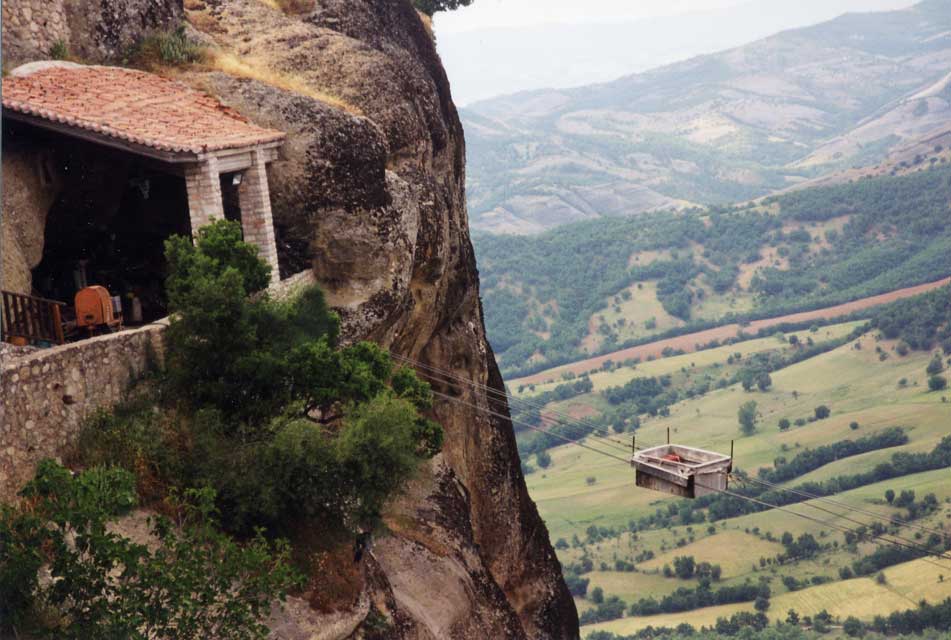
[108, 225]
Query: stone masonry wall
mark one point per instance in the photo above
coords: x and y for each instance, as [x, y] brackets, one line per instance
[46, 395]
[99, 31]
[35, 24]
[204, 193]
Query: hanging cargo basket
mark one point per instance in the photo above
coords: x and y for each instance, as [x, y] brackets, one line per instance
[681, 471]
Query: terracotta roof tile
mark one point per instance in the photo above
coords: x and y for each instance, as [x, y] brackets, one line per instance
[134, 106]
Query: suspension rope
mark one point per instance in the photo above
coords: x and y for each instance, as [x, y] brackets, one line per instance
[562, 417]
[843, 505]
[841, 528]
[879, 539]
[512, 399]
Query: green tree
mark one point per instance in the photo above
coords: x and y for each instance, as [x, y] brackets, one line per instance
[429, 7]
[283, 424]
[597, 595]
[935, 367]
[684, 567]
[377, 450]
[890, 495]
[577, 585]
[784, 424]
[747, 417]
[761, 604]
[543, 458]
[937, 383]
[822, 412]
[853, 627]
[747, 379]
[217, 335]
[763, 381]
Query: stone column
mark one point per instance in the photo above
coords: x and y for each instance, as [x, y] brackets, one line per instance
[257, 221]
[204, 193]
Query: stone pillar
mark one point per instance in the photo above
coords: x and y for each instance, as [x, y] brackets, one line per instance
[204, 193]
[256, 218]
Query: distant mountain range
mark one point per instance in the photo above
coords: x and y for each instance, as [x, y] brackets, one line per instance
[717, 128]
[489, 61]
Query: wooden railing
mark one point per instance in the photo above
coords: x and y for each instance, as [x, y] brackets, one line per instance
[35, 319]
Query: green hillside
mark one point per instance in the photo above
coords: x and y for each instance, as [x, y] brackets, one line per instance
[620, 538]
[597, 286]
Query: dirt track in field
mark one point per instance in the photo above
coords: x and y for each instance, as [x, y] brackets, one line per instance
[690, 341]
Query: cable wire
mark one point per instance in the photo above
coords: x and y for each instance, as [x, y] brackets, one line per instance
[517, 401]
[877, 515]
[561, 417]
[528, 426]
[879, 539]
[841, 528]
[896, 541]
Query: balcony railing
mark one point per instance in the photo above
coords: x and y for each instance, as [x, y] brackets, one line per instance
[32, 319]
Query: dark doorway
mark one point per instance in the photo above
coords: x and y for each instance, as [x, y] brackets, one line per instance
[230, 183]
[108, 227]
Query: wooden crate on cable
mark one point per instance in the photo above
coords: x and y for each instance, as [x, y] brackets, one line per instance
[28, 319]
[681, 471]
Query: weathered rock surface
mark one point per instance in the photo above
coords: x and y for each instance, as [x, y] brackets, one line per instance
[371, 195]
[30, 186]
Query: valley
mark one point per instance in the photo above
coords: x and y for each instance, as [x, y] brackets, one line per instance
[622, 540]
[748, 253]
[292, 347]
[690, 342]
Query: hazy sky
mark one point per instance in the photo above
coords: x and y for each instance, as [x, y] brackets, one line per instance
[496, 47]
[520, 13]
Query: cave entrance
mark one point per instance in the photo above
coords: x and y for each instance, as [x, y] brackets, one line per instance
[108, 226]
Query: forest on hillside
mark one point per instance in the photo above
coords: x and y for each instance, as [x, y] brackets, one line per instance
[541, 292]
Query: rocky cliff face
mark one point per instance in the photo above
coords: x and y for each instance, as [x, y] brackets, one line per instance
[370, 198]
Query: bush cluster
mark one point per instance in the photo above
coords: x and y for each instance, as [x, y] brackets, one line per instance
[261, 418]
[197, 583]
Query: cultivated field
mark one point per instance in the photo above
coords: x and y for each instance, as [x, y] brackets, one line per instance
[690, 341]
[582, 488]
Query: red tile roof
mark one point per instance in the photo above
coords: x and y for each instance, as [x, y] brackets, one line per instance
[134, 106]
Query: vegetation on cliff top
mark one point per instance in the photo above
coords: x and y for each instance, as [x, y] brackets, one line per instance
[429, 7]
